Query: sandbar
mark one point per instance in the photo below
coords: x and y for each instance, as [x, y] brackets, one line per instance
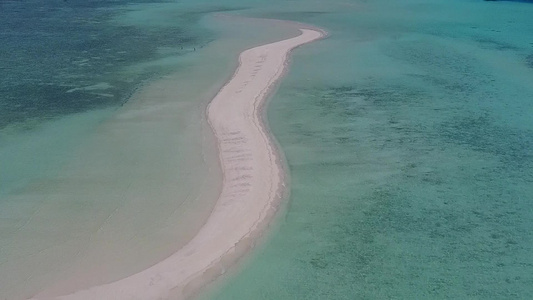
[252, 186]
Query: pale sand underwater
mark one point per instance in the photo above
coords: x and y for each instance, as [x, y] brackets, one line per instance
[251, 189]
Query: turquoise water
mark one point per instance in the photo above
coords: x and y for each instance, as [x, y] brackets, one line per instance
[408, 135]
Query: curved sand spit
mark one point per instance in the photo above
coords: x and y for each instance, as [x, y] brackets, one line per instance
[252, 184]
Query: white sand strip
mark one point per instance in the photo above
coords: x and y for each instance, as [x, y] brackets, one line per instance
[252, 185]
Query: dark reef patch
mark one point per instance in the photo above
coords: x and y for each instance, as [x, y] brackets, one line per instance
[496, 45]
[529, 61]
[514, 148]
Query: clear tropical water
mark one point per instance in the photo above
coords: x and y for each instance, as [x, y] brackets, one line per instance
[408, 135]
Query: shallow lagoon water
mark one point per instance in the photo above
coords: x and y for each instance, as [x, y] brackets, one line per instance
[409, 137]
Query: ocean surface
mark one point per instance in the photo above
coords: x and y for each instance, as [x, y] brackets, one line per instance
[407, 132]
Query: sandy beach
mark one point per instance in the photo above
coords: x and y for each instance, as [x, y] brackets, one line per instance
[252, 185]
